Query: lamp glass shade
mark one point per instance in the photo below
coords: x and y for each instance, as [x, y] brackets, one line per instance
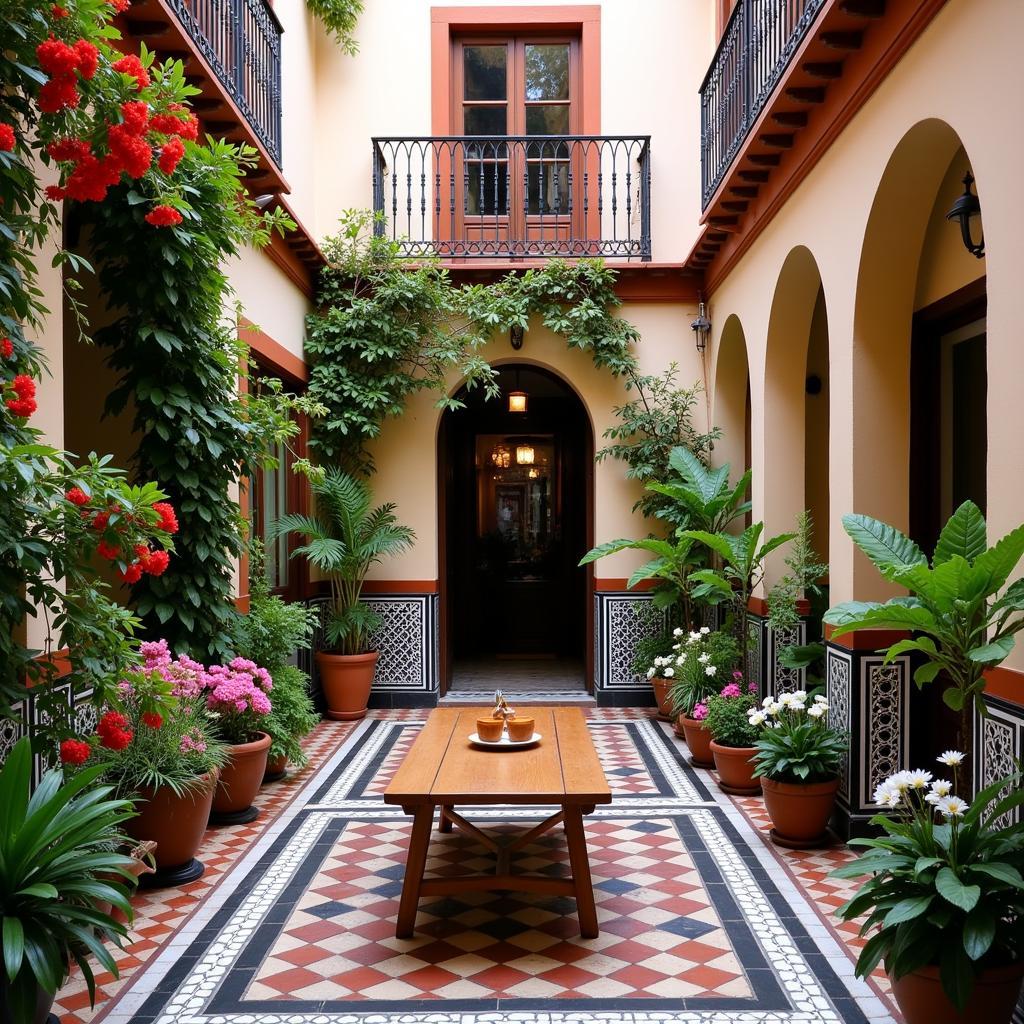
[524, 455]
[517, 401]
[501, 457]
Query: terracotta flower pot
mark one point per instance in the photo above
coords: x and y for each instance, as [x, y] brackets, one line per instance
[240, 781]
[346, 680]
[922, 1000]
[44, 1003]
[735, 769]
[176, 824]
[661, 687]
[276, 767]
[698, 739]
[799, 812]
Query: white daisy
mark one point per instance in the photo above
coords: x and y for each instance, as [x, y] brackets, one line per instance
[882, 791]
[650, 672]
[816, 711]
[773, 707]
[768, 700]
[918, 779]
[786, 700]
[704, 658]
[820, 698]
[951, 758]
[893, 800]
[940, 787]
[678, 631]
[695, 634]
[710, 670]
[668, 673]
[756, 717]
[800, 696]
[952, 807]
[704, 630]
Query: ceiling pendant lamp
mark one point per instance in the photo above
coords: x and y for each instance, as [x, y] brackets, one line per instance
[524, 455]
[517, 400]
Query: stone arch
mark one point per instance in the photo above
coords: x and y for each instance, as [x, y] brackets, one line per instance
[731, 398]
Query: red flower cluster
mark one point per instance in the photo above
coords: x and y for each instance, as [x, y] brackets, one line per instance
[25, 390]
[120, 5]
[77, 496]
[154, 563]
[113, 731]
[74, 752]
[63, 63]
[173, 150]
[60, 12]
[131, 65]
[153, 719]
[6, 138]
[100, 520]
[186, 127]
[54, 192]
[163, 216]
[107, 550]
[168, 520]
[6, 348]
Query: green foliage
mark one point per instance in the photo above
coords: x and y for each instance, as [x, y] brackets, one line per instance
[292, 714]
[796, 744]
[961, 624]
[340, 18]
[696, 652]
[343, 539]
[728, 722]
[651, 427]
[56, 854]
[177, 354]
[947, 894]
[385, 331]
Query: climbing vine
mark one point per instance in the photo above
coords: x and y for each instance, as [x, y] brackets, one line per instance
[385, 330]
[340, 18]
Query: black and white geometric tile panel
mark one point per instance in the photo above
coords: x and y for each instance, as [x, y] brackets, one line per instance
[698, 922]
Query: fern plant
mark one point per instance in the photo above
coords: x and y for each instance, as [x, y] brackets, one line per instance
[344, 539]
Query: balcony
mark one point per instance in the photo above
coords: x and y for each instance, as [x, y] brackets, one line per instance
[515, 197]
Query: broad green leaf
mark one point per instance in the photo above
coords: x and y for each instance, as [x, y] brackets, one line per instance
[979, 931]
[954, 891]
[908, 909]
[717, 542]
[1005, 873]
[956, 974]
[900, 613]
[994, 652]
[883, 544]
[953, 698]
[964, 535]
[927, 672]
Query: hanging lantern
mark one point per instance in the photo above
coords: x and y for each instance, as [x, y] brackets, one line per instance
[524, 455]
[517, 401]
[501, 457]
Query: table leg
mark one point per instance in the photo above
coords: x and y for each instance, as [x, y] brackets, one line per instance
[580, 862]
[414, 865]
[444, 823]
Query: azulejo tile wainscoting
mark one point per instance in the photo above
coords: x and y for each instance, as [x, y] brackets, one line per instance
[701, 921]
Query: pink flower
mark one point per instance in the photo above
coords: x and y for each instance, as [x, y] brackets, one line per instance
[732, 690]
[752, 687]
[700, 712]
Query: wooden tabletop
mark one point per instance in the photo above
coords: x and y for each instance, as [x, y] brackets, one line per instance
[443, 767]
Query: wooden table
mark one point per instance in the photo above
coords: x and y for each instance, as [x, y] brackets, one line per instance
[442, 769]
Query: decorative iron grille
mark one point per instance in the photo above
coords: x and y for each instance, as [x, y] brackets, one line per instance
[515, 196]
[241, 41]
[756, 47]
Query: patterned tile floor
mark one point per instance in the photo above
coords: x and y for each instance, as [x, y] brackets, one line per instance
[701, 918]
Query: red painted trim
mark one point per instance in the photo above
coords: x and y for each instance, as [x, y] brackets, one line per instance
[1005, 683]
[612, 584]
[866, 639]
[400, 587]
[759, 606]
[272, 352]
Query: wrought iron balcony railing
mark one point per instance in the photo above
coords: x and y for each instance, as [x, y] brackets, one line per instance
[756, 47]
[241, 41]
[515, 196]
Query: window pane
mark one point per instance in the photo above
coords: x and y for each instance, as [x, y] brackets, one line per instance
[552, 120]
[548, 188]
[484, 69]
[485, 120]
[547, 72]
[488, 189]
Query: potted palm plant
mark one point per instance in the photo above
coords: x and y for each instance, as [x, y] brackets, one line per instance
[344, 539]
[58, 866]
[798, 759]
[944, 896]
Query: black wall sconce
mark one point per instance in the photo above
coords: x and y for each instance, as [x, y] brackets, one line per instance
[515, 335]
[966, 208]
[701, 328]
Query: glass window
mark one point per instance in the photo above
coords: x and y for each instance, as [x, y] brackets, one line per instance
[547, 71]
[485, 120]
[548, 120]
[485, 71]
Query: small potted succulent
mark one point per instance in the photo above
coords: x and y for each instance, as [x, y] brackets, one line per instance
[944, 896]
[798, 760]
[733, 737]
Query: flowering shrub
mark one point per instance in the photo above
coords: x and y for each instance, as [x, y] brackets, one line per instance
[237, 695]
[726, 714]
[944, 882]
[702, 663]
[796, 743]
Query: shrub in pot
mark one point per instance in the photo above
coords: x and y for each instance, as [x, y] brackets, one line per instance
[291, 717]
[159, 749]
[344, 539]
[58, 864]
[733, 737]
[798, 759]
[944, 897]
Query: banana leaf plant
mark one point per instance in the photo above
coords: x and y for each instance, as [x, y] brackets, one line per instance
[958, 620]
[741, 570]
[701, 498]
[58, 850]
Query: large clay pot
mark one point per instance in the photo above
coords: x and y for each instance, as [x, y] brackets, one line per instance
[922, 1000]
[698, 739]
[661, 688]
[346, 680]
[735, 769]
[176, 824]
[44, 1002]
[240, 781]
[276, 768]
[799, 811]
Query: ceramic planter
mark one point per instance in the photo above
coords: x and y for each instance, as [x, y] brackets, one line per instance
[661, 688]
[239, 782]
[735, 770]
[44, 1002]
[698, 739]
[800, 812]
[346, 680]
[176, 824]
[276, 769]
[922, 1000]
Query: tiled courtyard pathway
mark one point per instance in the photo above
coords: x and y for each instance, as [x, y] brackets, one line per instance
[701, 919]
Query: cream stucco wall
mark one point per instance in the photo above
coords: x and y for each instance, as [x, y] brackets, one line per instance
[269, 298]
[653, 57]
[865, 213]
[406, 452]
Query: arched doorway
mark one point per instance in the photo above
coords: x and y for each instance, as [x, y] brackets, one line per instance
[516, 510]
[732, 398]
